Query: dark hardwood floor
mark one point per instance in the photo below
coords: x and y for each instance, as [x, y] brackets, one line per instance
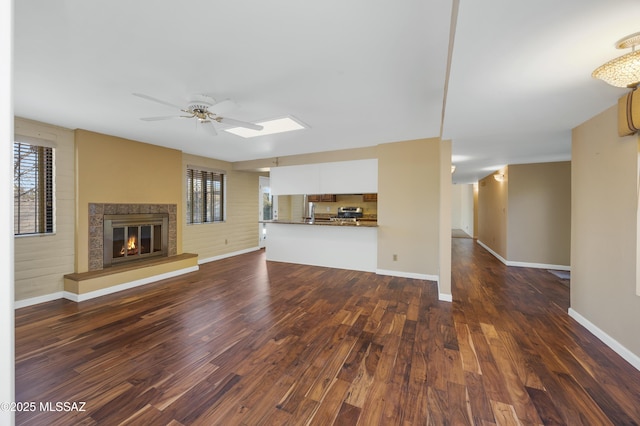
[243, 341]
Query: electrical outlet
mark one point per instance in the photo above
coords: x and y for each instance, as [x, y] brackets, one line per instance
[395, 257]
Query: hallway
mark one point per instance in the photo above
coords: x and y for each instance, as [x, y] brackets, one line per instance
[533, 361]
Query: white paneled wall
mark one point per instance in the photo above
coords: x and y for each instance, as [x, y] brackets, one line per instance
[42, 260]
[239, 232]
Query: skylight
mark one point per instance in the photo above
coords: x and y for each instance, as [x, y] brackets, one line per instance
[270, 127]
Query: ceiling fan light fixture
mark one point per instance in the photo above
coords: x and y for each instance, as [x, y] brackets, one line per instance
[205, 109]
[270, 127]
[623, 71]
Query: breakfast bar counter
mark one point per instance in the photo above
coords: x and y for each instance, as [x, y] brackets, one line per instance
[326, 222]
[335, 244]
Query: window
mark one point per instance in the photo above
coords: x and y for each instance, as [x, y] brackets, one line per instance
[205, 195]
[32, 189]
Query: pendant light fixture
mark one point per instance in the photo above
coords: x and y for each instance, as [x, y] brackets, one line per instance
[623, 71]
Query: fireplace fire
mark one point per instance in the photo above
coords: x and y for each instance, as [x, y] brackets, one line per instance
[131, 237]
[130, 249]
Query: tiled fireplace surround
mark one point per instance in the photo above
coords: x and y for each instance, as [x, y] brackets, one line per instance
[96, 223]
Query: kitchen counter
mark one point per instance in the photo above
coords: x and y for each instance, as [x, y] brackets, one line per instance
[348, 245]
[325, 222]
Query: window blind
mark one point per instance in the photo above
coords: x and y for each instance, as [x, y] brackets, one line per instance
[205, 196]
[33, 189]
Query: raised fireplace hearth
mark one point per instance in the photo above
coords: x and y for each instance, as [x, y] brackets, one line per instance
[124, 233]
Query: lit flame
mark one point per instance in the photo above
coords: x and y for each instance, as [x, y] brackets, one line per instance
[130, 248]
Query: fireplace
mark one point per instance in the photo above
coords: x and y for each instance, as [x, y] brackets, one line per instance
[130, 237]
[146, 223]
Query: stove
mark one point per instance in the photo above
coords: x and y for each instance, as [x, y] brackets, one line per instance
[349, 213]
[343, 219]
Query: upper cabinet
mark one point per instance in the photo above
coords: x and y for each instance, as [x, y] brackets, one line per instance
[288, 180]
[321, 198]
[349, 177]
[342, 177]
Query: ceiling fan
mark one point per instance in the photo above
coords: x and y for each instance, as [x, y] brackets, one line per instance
[204, 109]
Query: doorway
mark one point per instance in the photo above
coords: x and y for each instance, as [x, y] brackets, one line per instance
[266, 209]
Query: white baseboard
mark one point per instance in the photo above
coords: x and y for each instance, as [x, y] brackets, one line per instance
[490, 250]
[225, 255]
[625, 353]
[524, 264]
[443, 297]
[539, 265]
[403, 274]
[37, 300]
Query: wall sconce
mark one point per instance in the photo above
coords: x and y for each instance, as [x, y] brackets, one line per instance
[623, 71]
[629, 113]
[499, 177]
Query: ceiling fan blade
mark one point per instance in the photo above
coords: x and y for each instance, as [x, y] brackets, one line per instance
[149, 98]
[238, 123]
[222, 107]
[164, 117]
[209, 127]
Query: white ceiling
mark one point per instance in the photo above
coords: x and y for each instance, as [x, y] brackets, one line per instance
[359, 72]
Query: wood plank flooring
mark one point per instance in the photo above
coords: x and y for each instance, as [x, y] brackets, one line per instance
[249, 342]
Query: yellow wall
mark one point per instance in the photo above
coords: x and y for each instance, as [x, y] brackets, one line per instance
[526, 219]
[539, 228]
[115, 170]
[475, 210]
[444, 220]
[41, 261]
[603, 236]
[493, 212]
[409, 206]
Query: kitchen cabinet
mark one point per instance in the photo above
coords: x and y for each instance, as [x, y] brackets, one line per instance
[342, 177]
[303, 179]
[369, 197]
[349, 177]
[321, 198]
